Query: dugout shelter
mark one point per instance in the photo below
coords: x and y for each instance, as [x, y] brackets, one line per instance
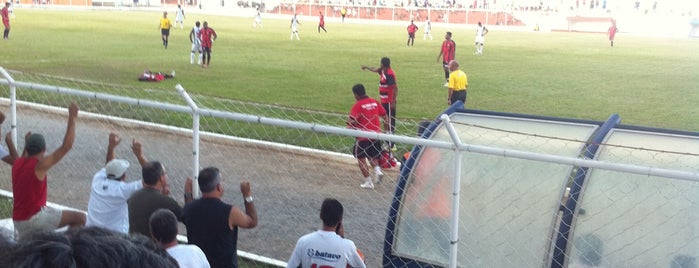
[531, 212]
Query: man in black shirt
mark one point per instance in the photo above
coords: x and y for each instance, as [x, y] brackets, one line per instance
[212, 225]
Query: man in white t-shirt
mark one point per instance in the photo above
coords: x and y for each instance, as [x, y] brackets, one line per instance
[325, 247]
[481, 31]
[258, 20]
[294, 26]
[179, 17]
[428, 29]
[163, 229]
[107, 206]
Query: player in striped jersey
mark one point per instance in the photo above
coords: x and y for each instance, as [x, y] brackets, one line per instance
[196, 43]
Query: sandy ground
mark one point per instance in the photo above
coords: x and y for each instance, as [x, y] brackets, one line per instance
[288, 186]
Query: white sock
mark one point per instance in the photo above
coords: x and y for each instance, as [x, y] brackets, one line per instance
[377, 170]
[191, 58]
[368, 179]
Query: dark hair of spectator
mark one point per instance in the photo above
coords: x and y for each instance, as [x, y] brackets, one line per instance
[163, 226]
[208, 179]
[359, 90]
[151, 172]
[331, 212]
[86, 247]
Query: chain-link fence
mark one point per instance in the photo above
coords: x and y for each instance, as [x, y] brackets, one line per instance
[291, 170]
[632, 206]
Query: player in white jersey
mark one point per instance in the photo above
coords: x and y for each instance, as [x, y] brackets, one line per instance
[325, 247]
[257, 21]
[294, 28]
[428, 29]
[179, 17]
[196, 43]
[481, 31]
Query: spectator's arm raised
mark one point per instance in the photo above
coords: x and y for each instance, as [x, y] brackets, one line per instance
[247, 219]
[52, 159]
[114, 141]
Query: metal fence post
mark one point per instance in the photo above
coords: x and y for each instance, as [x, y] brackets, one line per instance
[456, 189]
[13, 104]
[195, 138]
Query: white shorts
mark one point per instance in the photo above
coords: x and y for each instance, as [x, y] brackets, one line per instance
[47, 219]
[480, 39]
[196, 47]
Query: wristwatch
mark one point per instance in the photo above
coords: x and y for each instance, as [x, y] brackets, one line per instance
[248, 199]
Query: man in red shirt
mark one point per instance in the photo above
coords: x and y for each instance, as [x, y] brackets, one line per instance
[448, 53]
[366, 115]
[29, 173]
[321, 23]
[412, 29]
[612, 32]
[5, 12]
[207, 36]
[388, 90]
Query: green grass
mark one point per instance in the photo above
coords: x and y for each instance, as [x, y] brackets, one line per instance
[648, 81]
[5, 207]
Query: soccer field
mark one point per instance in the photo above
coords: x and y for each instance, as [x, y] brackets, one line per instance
[648, 81]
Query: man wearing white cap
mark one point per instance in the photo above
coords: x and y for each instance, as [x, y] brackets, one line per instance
[107, 206]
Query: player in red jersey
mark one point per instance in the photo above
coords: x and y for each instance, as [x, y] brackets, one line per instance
[321, 23]
[448, 53]
[6, 20]
[148, 76]
[207, 36]
[612, 32]
[366, 114]
[388, 91]
[412, 29]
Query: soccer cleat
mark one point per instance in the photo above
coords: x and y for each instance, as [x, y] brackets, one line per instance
[446, 84]
[173, 73]
[367, 185]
